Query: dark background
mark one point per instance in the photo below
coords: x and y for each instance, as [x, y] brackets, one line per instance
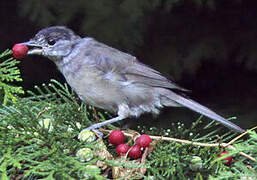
[208, 47]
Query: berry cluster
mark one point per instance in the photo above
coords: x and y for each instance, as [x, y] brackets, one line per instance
[117, 138]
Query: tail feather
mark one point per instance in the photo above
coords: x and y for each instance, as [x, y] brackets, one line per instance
[189, 103]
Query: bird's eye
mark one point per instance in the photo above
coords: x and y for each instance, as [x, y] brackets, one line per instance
[51, 42]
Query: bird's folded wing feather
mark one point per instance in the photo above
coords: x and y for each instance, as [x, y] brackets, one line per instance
[125, 67]
[140, 73]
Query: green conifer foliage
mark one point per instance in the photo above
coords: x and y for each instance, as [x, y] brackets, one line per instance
[39, 140]
[9, 74]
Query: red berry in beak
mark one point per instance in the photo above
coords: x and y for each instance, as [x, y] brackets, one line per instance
[19, 51]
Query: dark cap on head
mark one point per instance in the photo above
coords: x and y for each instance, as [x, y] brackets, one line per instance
[56, 33]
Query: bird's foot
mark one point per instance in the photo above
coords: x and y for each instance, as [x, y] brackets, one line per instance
[97, 132]
[94, 128]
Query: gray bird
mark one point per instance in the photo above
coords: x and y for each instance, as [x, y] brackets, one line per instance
[107, 78]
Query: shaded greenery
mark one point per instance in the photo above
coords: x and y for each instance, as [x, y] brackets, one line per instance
[123, 21]
[176, 35]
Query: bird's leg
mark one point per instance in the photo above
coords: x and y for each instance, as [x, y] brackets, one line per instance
[94, 127]
[97, 125]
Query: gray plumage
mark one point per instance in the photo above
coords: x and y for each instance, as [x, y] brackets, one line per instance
[110, 79]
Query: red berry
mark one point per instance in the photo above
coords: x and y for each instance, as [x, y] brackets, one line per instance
[135, 152]
[116, 137]
[143, 141]
[122, 149]
[228, 159]
[19, 51]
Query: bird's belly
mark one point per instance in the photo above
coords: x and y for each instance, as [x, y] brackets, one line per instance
[95, 91]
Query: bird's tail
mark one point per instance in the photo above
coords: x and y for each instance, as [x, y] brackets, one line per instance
[189, 103]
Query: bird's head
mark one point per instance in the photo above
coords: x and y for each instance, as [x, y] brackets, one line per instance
[54, 42]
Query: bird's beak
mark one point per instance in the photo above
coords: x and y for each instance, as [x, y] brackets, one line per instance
[34, 48]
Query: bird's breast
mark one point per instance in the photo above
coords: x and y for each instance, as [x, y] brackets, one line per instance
[92, 87]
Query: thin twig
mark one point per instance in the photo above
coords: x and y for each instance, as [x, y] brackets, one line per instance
[242, 153]
[44, 110]
[241, 135]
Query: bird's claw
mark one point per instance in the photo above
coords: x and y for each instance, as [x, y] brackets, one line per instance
[95, 130]
[98, 133]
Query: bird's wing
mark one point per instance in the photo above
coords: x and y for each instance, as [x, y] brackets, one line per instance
[140, 73]
[125, 67]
